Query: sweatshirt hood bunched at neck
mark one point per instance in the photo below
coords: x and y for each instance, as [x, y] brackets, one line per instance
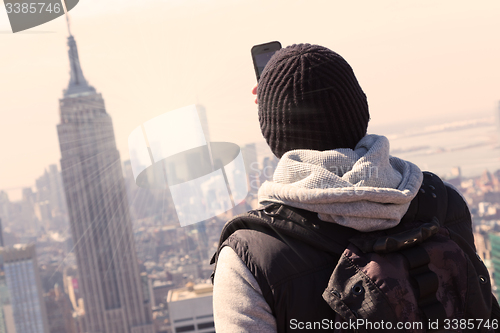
[365, 189]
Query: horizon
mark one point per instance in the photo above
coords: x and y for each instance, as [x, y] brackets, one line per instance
[404, 130]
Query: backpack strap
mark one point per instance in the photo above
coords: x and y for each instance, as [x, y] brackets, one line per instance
[432, 198]
[287, 221]
[427, 284]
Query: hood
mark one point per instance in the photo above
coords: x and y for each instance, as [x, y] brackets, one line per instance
[365, 189]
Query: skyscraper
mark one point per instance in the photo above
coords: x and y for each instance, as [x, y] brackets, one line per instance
[25, 289]
[98, 211]
[7, 323]
[1, 234]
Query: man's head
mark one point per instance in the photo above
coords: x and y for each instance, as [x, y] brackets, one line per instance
[309, 98]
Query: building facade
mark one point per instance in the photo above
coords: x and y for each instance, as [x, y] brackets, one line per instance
[191, 309]
[25, 289]
[98, 211]
[7, 324]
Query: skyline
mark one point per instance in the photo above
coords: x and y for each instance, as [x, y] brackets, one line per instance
[98, 211]
[426, 59]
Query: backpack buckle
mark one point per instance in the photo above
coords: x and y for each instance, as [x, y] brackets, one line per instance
[270, 210]
[406, 239]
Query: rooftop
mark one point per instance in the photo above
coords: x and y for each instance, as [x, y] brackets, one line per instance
[189, 292]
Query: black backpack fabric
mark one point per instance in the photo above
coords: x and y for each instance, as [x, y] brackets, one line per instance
[425, 270]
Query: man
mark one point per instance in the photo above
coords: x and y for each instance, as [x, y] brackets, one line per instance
[314, 116]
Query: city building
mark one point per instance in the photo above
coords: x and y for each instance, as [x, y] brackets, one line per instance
[72, 290]
[108, 273]
[269, 164]
[6, 316]
[4, 206]
[59, 311]
[190, 309]
[251, 166]
[1, 234]
[25, 289]
[494, 239]
[160, 291]
[50, 207]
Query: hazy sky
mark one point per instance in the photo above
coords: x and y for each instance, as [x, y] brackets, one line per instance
[414, 59]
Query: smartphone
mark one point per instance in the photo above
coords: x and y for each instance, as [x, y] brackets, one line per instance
[261, 54]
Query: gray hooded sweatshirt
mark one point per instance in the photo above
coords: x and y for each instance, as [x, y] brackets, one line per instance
[365, 189]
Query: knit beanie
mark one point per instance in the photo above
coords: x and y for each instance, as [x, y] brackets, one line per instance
[309, 98]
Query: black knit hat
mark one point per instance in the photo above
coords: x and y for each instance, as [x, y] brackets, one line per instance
[309, 98]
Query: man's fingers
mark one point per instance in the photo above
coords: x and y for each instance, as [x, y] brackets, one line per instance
[254, 91]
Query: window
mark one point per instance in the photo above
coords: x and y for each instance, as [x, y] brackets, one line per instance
[187, 328]
[205, 325]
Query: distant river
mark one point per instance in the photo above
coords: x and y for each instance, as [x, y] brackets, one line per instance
[473, 146]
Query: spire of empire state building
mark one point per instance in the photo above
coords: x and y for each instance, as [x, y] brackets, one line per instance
[77, 82]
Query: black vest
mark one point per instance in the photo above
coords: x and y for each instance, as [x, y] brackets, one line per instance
[293, 256]
[291, 273]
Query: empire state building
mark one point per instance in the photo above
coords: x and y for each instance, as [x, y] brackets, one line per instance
[98, 209]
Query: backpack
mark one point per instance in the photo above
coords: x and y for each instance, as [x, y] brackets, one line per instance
[423, 273]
